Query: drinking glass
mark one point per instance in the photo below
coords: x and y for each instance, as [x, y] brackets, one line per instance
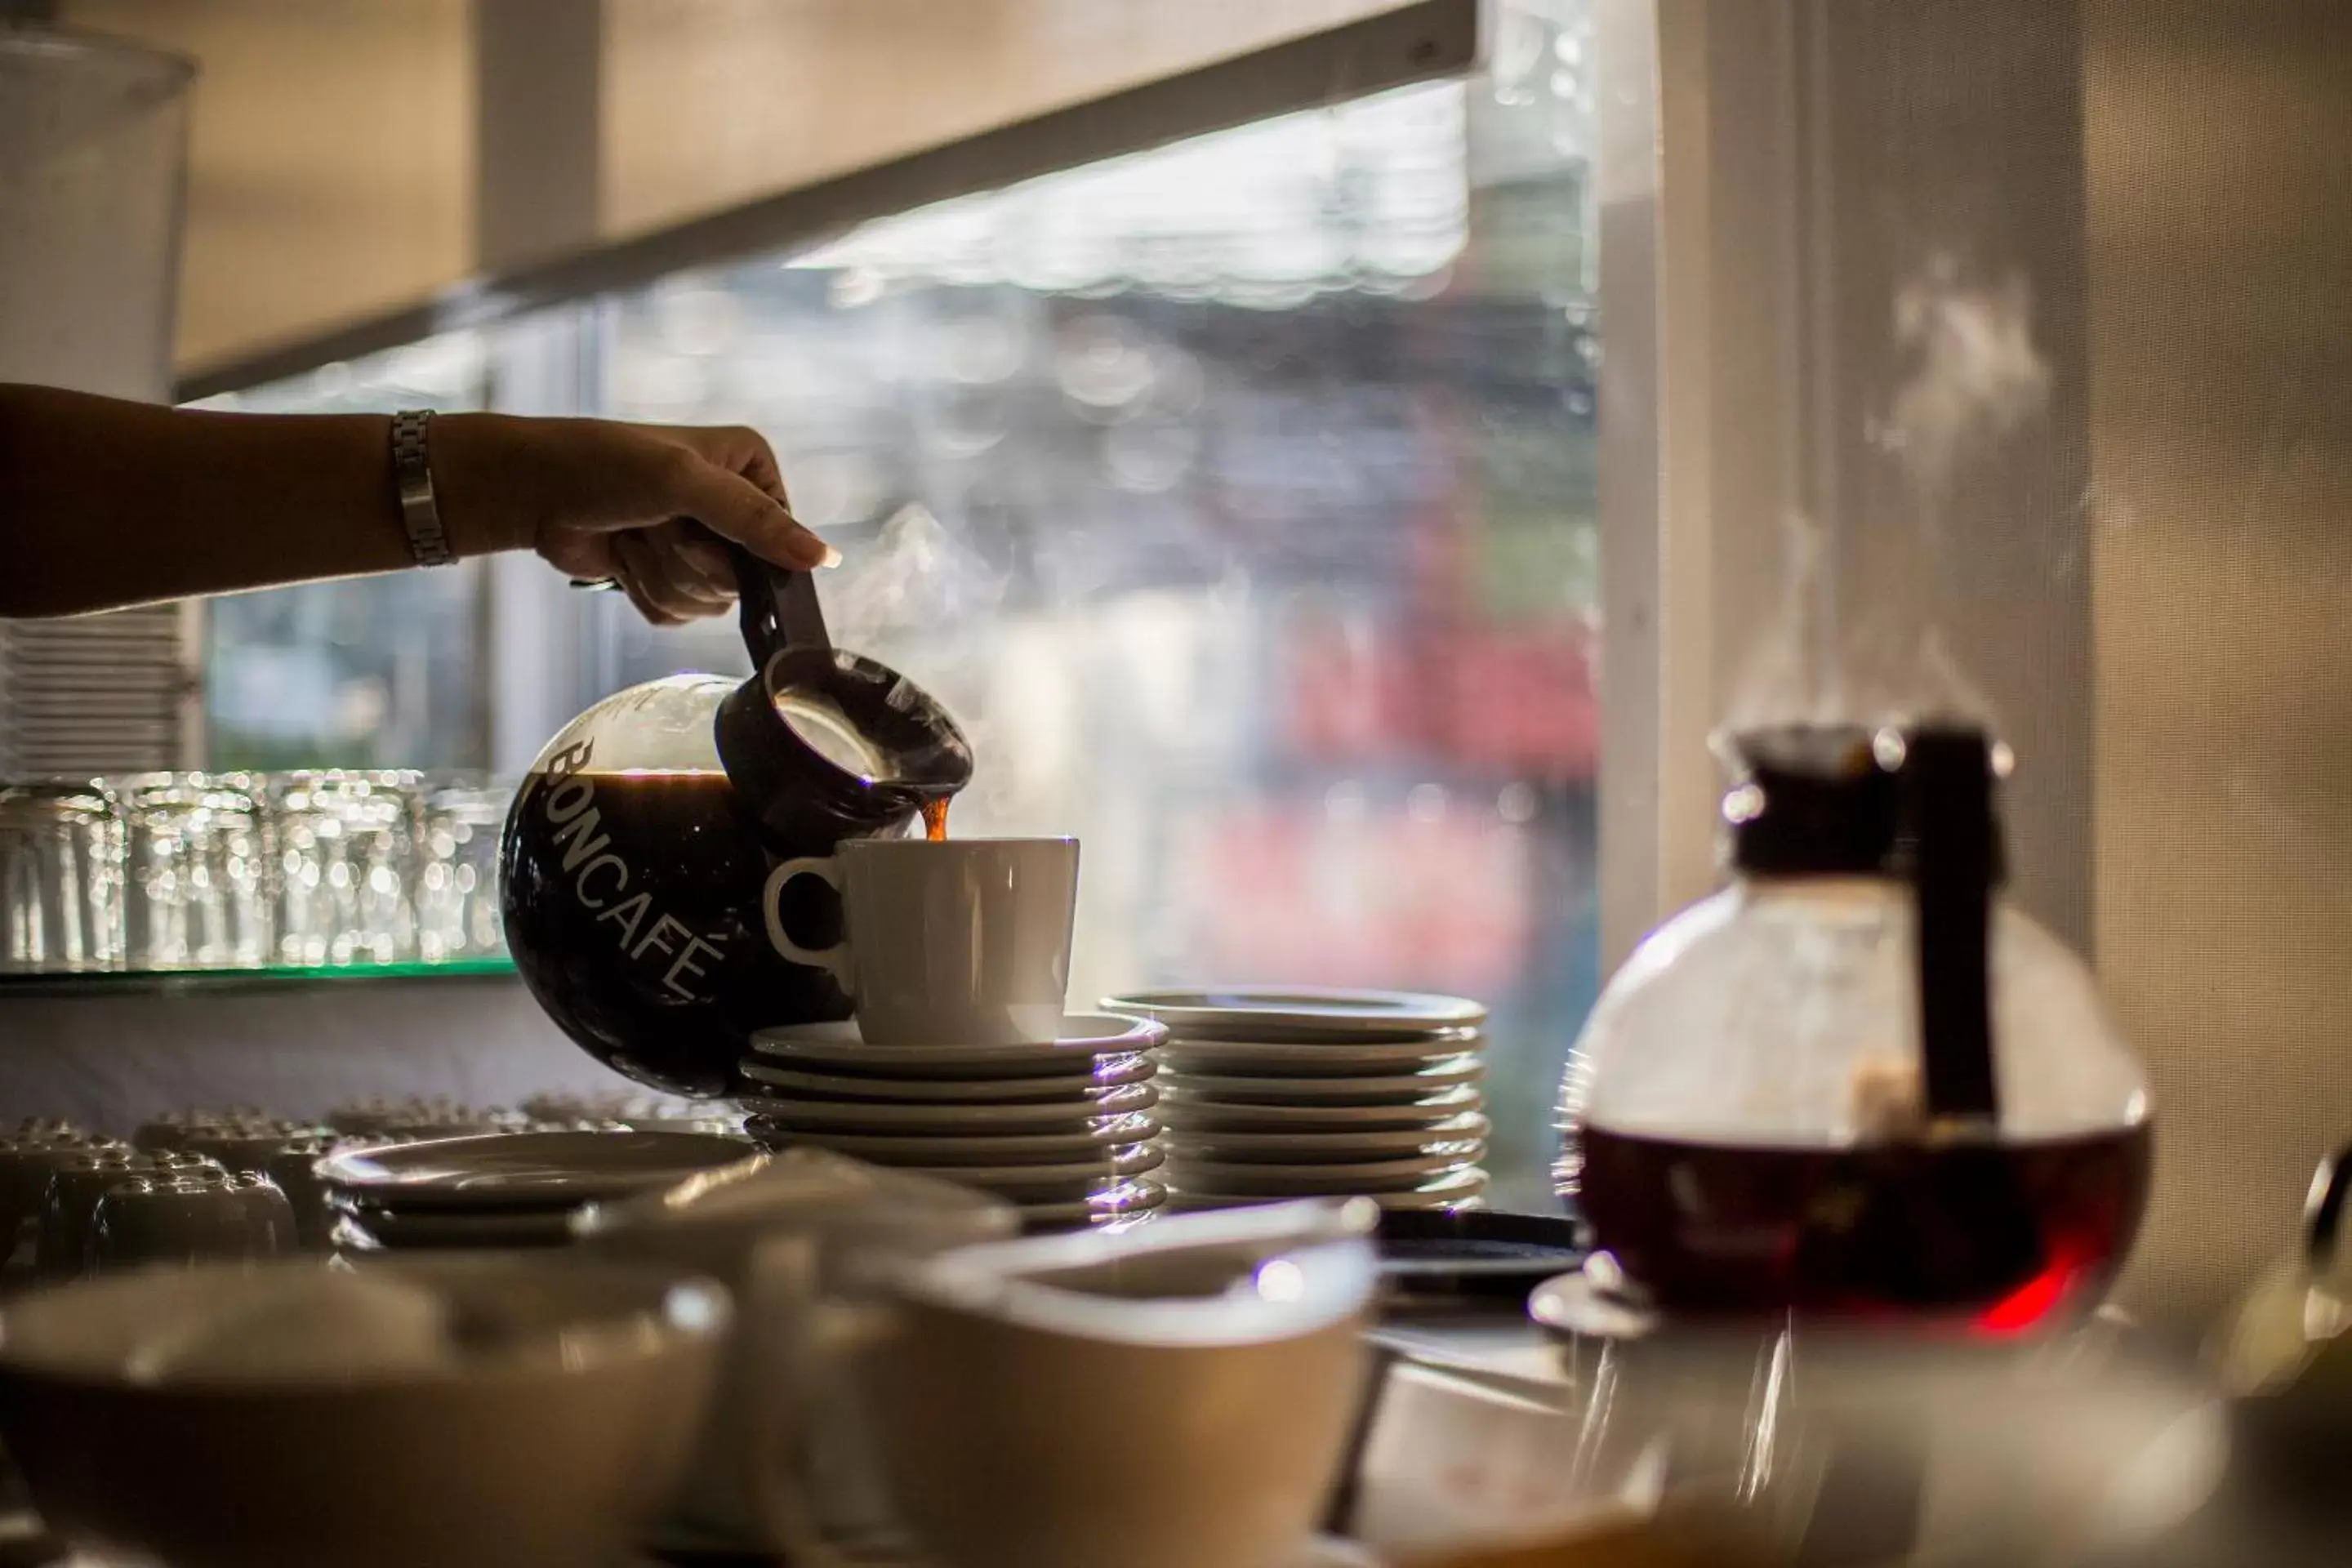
[344, 845]
[60, 879]
[197, 860]
[457, 872]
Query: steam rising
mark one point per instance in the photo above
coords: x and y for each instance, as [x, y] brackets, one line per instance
[1975, 380]
[924, 602]
[917, 576]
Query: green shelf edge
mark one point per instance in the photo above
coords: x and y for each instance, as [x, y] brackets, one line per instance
[113, 983]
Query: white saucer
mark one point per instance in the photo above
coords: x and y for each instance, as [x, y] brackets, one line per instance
[517, 1170]
[1466, 1189]
[1185, 1110]
[1044, 1184]
[1452, 1135]
[1084, 1037]
[847, 1116]
[942, 1150]
[1317, 1058]
[1299, 1013]
[1139, 1196]
[404, 1231]
[1109, 1073]
[1400, 1089]
[1226, 1179]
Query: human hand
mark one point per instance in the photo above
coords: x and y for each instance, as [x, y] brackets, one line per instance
[648, 507]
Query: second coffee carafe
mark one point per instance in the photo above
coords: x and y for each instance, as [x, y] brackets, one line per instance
[1857, 1082]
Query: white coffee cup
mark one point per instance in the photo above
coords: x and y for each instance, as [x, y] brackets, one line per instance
[960, 942]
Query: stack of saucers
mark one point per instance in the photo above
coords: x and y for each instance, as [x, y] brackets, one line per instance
[1064, 1128]
[1282, 1093]
[510, 1189]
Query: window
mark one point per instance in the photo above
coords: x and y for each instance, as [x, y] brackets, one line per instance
[1239, 497]
[377, 672]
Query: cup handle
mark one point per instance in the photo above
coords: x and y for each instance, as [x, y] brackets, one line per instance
[836, 959]
[800, 1338]
[780, 1296]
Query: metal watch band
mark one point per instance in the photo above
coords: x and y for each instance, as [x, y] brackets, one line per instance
[420, 513]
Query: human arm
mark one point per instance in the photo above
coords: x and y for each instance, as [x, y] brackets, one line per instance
[105, 503]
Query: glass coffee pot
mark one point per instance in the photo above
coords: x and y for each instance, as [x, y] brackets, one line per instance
[637, 865]
[1857, 1082]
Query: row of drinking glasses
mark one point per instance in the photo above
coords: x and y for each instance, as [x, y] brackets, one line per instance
[247, 871]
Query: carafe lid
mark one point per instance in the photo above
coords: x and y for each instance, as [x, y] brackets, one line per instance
[1829, 800]
[1810, 800]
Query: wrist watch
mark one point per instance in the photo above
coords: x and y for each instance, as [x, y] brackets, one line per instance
[412, 475]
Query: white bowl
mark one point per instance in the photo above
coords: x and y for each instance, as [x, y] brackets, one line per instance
[465, 1412]
[1009, 1379]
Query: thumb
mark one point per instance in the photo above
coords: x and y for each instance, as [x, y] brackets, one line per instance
[732, 506]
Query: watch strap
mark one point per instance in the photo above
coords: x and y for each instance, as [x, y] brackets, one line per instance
[411, 475]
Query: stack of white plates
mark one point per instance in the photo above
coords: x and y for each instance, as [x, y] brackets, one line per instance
[1280, 1093]
[1067, 1129]
[513, 1189]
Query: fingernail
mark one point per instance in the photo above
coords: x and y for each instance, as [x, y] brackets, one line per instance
[810, 553]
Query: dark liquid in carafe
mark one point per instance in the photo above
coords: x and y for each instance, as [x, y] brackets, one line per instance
[935, 819]
[633, 906]
[2006, 1236]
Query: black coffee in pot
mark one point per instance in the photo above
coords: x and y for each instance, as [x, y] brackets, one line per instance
[632, 909]
[2012, 1236]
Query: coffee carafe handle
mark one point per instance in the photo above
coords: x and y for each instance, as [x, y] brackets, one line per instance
[1953, 845]
[779, 607]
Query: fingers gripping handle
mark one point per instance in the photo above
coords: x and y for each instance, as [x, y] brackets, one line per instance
[779, 607]
[836, 959]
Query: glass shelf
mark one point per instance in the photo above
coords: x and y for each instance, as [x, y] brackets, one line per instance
[121, 982]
